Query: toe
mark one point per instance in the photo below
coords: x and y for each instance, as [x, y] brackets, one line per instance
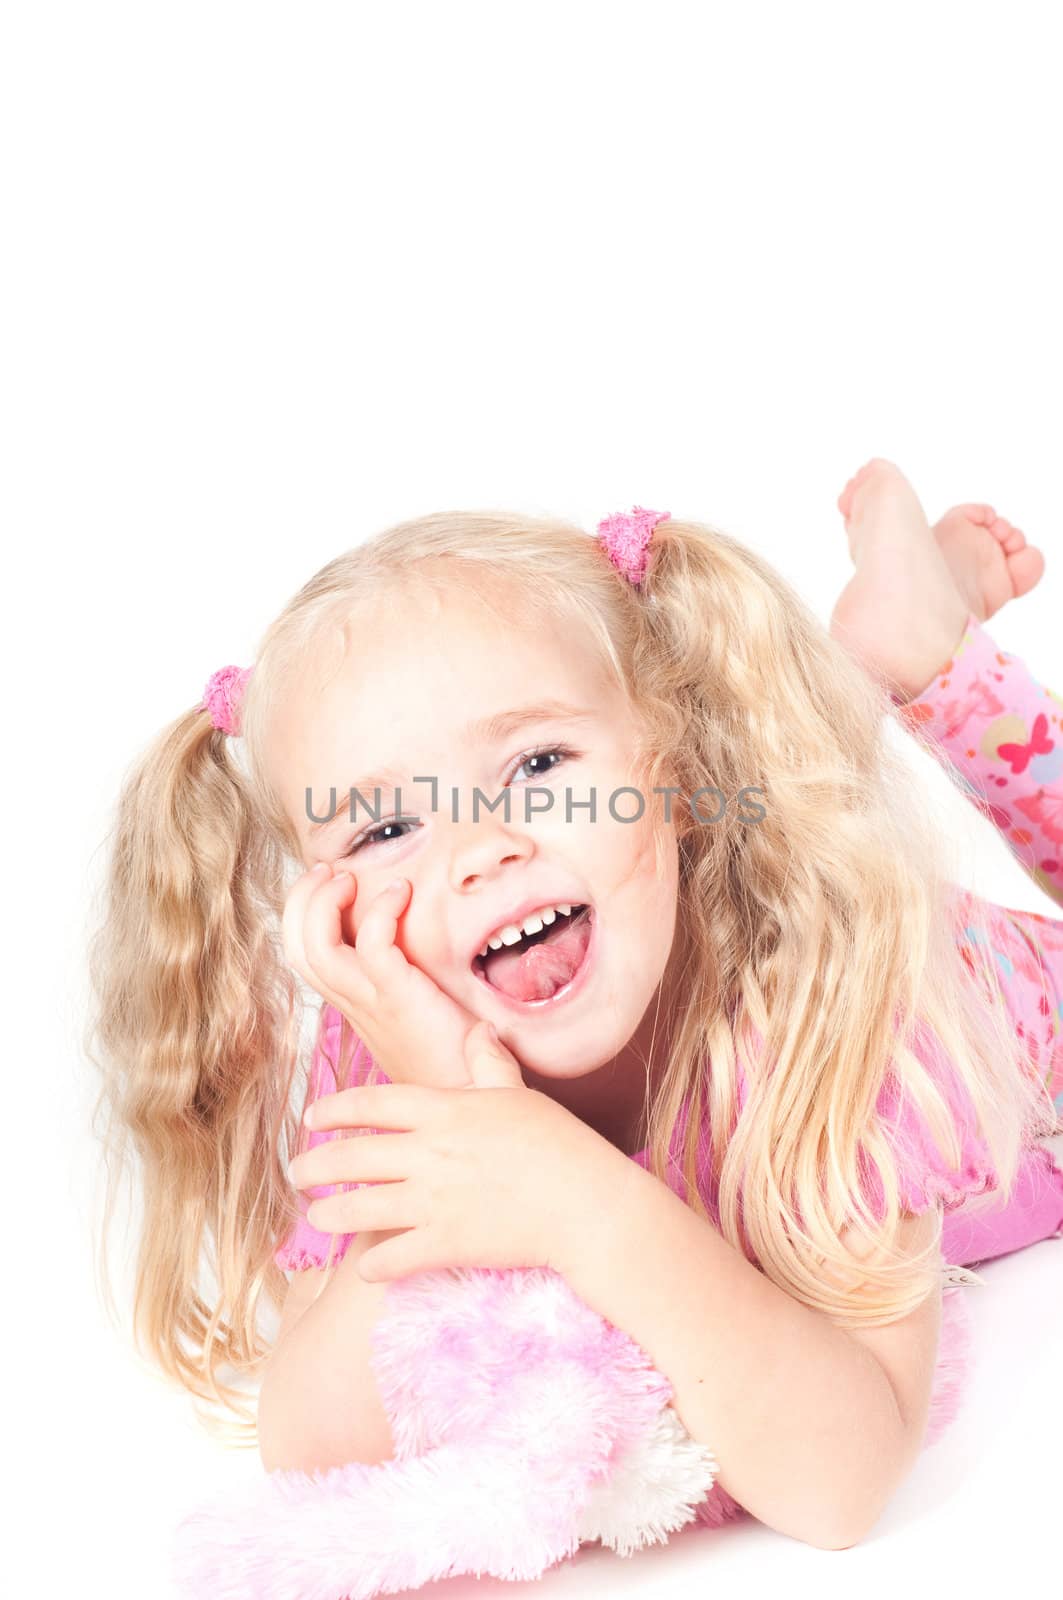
[845, 499]
[1012, 540]
[876, 468]
[1026, 569]
[977, 513]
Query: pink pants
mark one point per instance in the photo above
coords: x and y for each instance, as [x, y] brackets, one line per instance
[1001, 732]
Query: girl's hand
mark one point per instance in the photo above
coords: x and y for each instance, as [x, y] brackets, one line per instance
[497, 1176]
[411, 1028]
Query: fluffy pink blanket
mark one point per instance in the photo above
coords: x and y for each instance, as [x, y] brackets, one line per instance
[524, 1425]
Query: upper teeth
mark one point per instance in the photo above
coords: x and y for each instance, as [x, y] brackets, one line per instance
[533, 924]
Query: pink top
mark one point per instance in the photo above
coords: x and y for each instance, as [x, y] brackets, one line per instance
[1034, 1210]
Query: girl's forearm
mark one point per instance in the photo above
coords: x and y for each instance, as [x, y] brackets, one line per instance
[318, 1405]
[801, 1418]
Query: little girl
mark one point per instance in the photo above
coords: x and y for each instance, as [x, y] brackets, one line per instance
[764, 1080]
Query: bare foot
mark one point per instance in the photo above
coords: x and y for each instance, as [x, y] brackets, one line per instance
[990, 561]
[903, 613]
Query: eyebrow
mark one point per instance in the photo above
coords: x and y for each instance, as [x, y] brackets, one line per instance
[486, 730]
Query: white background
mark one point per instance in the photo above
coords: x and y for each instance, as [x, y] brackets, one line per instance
[278, 276]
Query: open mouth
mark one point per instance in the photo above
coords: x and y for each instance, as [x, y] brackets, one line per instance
[541, 967]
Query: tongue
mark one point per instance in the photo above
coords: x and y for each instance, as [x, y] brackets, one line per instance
[538, 971]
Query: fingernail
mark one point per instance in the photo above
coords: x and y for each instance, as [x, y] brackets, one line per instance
[492, 1033]
[395, 885]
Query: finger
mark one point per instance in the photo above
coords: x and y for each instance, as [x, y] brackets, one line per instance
[374, 1105]
[490, 1063]
[294, 915]
[334, 964]
[380, 925]
[367, 1158]
[385, 1205]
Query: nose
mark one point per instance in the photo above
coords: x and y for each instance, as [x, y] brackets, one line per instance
[481, 848]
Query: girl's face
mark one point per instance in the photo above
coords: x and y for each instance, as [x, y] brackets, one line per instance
[414, 701]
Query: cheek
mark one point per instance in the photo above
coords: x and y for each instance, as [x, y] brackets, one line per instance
[636, 861]
[649, 891]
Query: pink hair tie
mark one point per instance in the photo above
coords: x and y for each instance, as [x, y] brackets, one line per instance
[223, 697]
[625, 537]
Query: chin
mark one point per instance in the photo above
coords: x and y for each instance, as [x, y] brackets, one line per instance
[560, 1056]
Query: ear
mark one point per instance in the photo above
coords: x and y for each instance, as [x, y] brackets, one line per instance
[490, 1064]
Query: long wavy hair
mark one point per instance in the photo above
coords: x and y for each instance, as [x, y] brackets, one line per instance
[816, 940]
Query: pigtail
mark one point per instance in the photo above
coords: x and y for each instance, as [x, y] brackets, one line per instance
[821, 932]
[194, 1033]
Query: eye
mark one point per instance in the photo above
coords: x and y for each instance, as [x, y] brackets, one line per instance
[559, 750]
[373, 835]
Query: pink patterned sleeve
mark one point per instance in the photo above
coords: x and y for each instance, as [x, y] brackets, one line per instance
[1002, 733]
[305, 1245]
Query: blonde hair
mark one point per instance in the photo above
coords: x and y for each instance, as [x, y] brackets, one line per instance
[825, 927]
